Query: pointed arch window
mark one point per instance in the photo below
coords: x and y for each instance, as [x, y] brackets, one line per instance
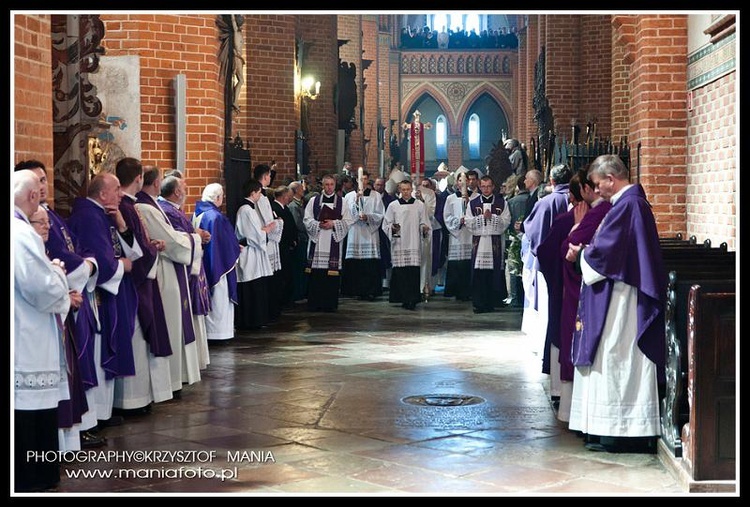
[441, 137]
[474, 136]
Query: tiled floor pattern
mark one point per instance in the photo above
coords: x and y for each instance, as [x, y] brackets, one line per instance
[313, 405]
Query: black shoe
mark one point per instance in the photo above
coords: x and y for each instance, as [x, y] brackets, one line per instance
[177, 395]
[91, 441]
[115, 420]
[132, 412]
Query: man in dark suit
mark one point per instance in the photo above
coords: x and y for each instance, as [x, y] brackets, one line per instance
[282, 197]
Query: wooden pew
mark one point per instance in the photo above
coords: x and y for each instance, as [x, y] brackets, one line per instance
[709, 437]
[686, 267]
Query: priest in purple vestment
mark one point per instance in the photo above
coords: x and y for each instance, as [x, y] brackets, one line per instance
[171, 200]
[151, 345]
[220, 257]
[100, 228]
[619, 343]
[587, 214]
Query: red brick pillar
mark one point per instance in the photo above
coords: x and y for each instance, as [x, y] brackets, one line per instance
[658, 115]
[622, 57]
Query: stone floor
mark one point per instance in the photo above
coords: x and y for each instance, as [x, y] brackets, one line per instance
[314, 405]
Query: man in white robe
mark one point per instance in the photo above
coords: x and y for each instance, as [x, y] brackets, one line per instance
[40, 291]
[458, 269]
[406, 224]
[362, 263]
[487, 217]
[262, 173]
[254, 270]
[327, 221]
[184, 250]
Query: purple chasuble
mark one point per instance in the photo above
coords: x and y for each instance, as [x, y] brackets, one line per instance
[220, 255]
[97, 233]
[150, 307]
[477, 209]
[63, 245]
[551, 265]
[537, 224]
[572, 284]
[625, 249]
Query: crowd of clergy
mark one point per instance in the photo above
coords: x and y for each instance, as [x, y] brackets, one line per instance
[114, 307]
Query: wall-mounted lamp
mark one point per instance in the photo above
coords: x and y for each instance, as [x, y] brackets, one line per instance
[309, 88]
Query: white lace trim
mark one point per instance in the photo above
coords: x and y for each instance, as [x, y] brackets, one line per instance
[36, 381]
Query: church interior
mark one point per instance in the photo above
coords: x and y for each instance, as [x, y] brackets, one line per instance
[367, 400]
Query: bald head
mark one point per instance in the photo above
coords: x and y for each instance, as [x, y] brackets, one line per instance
[26, 191]
[104, 188]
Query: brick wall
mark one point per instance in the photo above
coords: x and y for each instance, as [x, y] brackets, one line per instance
[563, 69]
[370, 94]
[32, 88]
[321, 62]
[350, 28]
[169, 45]
[658, 115]
[387, 95]
[272, 115]
[622, 57]
[596, 73]
[712, 163]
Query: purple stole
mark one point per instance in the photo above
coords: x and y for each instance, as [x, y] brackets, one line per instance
[626, 249]
[150, 308]
[335, 251]
[95, 231]
[477, 209]
[221, 253]
[572, 284]
[188, 332]
[199, 292]
[62, 245]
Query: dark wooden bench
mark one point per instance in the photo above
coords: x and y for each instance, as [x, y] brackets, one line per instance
[710, 435]
[677, 240]
[686, 267]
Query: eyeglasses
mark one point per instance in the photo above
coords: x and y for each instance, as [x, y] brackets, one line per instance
[43, 223]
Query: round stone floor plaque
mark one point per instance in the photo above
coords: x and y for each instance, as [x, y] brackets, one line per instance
[443, 400]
